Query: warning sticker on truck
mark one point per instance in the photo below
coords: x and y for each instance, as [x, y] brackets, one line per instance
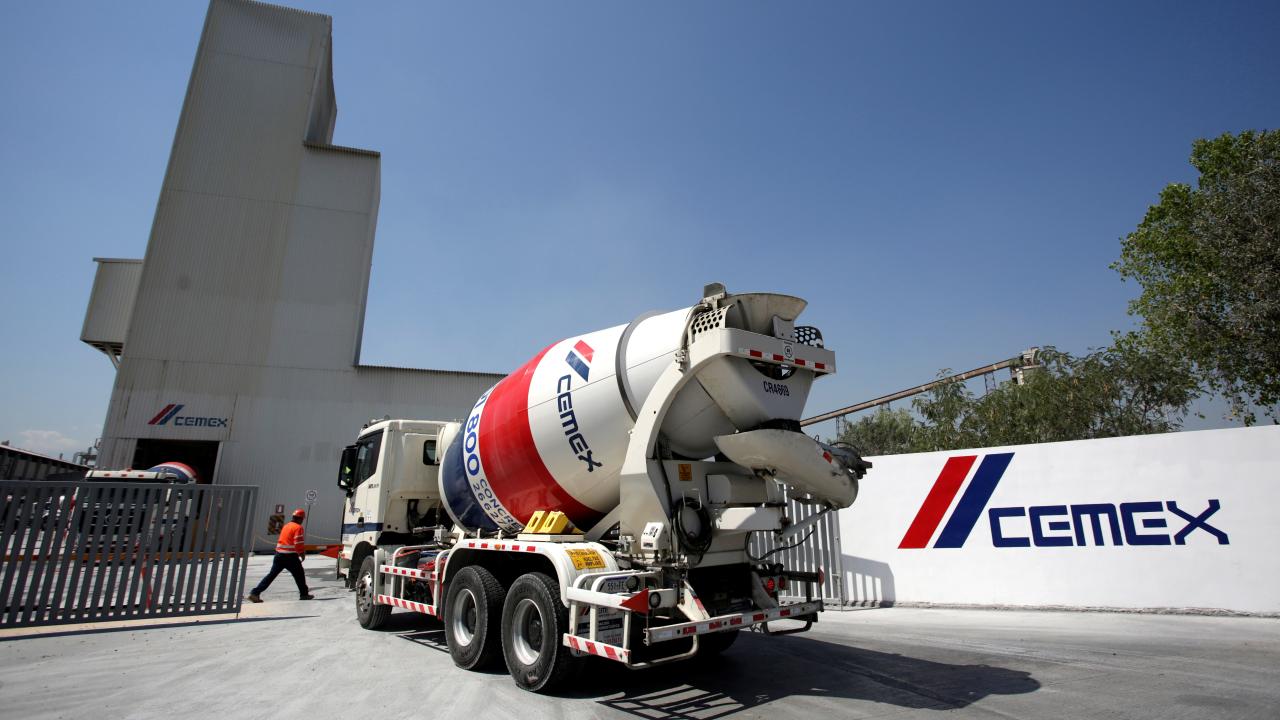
[586, 559]
[608, 621]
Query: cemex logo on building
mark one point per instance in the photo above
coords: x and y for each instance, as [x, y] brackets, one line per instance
[580, 359]
[1042, 525]
[170, 412]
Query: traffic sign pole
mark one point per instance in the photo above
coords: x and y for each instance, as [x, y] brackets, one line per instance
[311, 499]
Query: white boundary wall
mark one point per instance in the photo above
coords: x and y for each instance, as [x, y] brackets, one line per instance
[1063, 561]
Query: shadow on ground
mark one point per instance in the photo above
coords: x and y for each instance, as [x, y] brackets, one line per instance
[429, 633]
[420, 630]
[759, 670]
[319, 569]
[132, 626]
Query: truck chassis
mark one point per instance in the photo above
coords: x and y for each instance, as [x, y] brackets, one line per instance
[588, 598]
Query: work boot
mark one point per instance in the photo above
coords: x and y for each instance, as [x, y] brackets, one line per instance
[308, 596]
[253, 597]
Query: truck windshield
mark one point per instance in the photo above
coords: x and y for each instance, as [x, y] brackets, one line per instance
[367, 456]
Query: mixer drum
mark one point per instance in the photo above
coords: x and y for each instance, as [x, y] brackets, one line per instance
[553, 434]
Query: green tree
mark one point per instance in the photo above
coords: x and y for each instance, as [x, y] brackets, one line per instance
[1120, 390]
[1208, 261]
[1117, 391]
[883, 432]
[943, 412]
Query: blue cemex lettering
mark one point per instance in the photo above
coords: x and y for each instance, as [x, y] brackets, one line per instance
[1094, 523]
[569, 421]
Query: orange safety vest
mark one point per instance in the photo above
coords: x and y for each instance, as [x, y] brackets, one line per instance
[291, 540]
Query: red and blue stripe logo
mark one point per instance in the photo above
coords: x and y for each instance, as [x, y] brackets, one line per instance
[579, 358]
[165, 415]
[943, 494]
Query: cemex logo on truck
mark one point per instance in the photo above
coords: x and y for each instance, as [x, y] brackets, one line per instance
[579, 358]
[170, 412]
[1042, 525]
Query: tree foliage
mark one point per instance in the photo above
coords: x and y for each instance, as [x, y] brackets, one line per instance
[884, 432]
[1208, 261]
[1120, 390]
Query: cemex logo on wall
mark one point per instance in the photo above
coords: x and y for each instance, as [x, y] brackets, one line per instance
[170, 412]
[580, 359]
[1042, 525]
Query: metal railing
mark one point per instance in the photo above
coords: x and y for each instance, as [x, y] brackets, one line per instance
[821, 551]
[79, 552]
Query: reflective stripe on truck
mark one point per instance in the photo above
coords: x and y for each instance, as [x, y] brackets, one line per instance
[719, 623]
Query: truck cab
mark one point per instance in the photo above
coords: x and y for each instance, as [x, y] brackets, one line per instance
[390, 476]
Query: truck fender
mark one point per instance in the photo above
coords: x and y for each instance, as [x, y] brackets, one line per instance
[358, 554]
[380, 558]
[511, 558]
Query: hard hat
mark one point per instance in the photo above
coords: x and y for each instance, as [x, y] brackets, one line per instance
[300, 513]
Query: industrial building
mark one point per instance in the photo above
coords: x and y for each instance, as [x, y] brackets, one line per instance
[19, 464]
[237, 336]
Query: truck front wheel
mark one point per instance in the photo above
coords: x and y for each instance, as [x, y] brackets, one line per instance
[533, 623]
[472, 607]
[370, 614]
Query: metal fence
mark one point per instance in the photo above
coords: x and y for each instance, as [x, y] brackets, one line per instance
[77, 552]
[821, 551]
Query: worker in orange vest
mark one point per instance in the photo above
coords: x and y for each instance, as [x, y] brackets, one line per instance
[290, 549]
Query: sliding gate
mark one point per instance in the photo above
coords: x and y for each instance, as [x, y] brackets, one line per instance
[77, 552]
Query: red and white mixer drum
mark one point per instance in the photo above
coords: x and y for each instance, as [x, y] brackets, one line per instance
[553, 434]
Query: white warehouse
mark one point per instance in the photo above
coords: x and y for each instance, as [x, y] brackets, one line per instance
[237, 337]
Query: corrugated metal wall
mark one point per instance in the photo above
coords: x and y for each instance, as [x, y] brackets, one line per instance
[289, 440]
[19, 464]
[115, 287]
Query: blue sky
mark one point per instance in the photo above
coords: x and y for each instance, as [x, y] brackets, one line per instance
[946, 183]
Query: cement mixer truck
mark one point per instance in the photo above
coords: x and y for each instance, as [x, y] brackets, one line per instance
[600, 500]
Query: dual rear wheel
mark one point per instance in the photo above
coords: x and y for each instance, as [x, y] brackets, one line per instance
[524, 624]
[473, 602]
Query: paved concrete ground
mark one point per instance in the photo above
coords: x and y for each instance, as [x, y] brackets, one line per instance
[292, 659]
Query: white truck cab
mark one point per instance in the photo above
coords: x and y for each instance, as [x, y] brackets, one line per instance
[391, 477]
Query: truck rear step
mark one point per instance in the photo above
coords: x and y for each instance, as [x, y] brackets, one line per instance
[794, 611]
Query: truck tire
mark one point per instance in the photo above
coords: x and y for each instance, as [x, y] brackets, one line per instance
[472, 609]
[716, 643]
[370, 614]
[533, 623]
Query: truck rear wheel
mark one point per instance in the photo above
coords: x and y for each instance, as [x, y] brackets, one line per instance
[472, 610]
[533, 623]
[370, 614]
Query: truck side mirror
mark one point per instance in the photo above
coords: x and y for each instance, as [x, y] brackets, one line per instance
[347, 470]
